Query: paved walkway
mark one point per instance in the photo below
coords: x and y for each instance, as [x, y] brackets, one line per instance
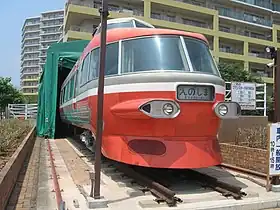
[24, 194]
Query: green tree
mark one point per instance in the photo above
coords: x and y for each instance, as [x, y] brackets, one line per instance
[235, 72]
[9, 94]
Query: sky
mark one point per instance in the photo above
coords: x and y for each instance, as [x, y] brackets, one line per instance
[12, 16]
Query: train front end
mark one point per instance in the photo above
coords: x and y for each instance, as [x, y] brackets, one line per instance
[165, 107]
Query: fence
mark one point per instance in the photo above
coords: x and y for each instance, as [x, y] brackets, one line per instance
[260, 96]
[22, 111]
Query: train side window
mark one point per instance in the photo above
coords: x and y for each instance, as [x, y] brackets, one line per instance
[200, 56]
[74, 84]
[85, 68]
[67, 91]
[71, 88]
[80, 69]
[61, 96]
[112, 52]
[94, 67]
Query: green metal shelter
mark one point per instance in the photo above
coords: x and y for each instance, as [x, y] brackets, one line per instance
[61, 57]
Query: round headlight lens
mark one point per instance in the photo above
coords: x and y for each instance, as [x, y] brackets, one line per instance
[168, 109]
[223, 110]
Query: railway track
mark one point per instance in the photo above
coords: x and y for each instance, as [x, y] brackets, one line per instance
[159, 181]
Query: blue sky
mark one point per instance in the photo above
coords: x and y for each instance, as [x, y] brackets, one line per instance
[12, 16]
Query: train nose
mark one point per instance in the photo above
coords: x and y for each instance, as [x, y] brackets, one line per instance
[227, 110]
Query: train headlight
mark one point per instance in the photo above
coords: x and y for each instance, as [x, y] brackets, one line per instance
[161, 108]
[227, 110]
[168, 109]
[223, 110]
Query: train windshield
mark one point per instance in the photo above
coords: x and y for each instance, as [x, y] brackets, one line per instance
[166, 53]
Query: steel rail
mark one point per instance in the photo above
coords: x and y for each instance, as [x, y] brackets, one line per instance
[243, 170]
[222, 187]
[59, 201]
[162, 193]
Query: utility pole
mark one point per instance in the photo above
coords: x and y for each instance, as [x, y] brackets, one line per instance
[275, 55]
[97, 165]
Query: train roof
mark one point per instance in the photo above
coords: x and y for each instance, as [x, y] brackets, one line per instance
[118, 34]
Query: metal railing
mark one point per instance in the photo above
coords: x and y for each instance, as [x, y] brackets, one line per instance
[22, 111]
[229, 12]
[259, 3]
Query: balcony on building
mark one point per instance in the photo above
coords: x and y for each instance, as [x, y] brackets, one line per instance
[228, 26]
[29, 58]
[244, 16]
[259, 3]
[31, 29]
[45, 32]
[42, 54]
[115, 6]
[231, 46]
[33, 37]
[260, 70]
[49, 39]
[133, 8]
[258, 51]
[51, 24]
[30, 71]
[276, 7]
[54, 16]
[181, 16]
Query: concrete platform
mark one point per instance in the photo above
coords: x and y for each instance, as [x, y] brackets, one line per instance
[46, 196]
[120, 194]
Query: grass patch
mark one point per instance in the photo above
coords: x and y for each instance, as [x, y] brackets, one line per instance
[12, 133]
[255, 137]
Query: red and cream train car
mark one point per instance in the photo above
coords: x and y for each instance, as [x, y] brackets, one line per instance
[163, 102]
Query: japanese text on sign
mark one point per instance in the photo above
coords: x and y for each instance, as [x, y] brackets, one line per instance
[274, 149]
[244, 94]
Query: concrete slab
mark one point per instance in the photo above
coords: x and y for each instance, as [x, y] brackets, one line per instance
[45, 197]
[97, 203]
[122, 195]
[275, 188]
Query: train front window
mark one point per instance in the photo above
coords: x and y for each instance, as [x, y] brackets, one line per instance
[153, 53]
[200, 56]
[167, 52]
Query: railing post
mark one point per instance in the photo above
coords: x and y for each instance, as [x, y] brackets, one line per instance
[264, 104]
[25, 112]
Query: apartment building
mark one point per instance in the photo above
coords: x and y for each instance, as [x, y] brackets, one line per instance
[38, 33]
[237, 30]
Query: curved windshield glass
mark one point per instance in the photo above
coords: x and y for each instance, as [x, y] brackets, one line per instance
[153, 53]
[200, 56]
[166, 53]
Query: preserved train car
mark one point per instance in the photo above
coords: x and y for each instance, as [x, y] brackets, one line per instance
[163, 102]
